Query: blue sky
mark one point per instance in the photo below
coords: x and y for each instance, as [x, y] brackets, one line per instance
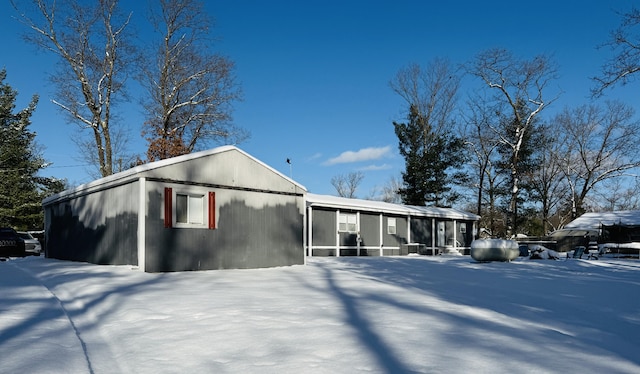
[315, 74]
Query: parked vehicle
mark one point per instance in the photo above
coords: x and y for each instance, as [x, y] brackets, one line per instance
[31, 245]
[11, 244]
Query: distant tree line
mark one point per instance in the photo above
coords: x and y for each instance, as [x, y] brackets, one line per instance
[529, 173]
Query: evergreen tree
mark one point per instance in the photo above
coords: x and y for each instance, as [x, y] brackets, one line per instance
[21, 189]
[430, 161]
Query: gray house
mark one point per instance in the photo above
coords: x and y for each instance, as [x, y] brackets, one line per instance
[351, 227]
[215, 209]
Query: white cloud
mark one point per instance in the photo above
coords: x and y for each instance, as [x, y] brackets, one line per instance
[364, 154]
[315, 156]
[376, 167]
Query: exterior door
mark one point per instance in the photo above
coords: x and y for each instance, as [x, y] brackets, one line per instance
[441, 239]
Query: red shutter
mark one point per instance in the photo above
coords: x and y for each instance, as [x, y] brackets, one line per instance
[168, 207]
[212, 210]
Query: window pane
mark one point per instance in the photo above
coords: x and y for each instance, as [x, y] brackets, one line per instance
[181, 208]
[391, 226]
[342, 222]
[347, 222]
[351, 219]
[196, 209]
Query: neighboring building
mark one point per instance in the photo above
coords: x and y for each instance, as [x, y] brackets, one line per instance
[608, 229]
[339, 226]
[215, 209]
[616, 231]
[594, 220]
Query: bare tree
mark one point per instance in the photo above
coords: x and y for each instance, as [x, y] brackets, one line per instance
[482, 144]
[624, 44]
[122, 159]
[427, 141]
[190, 89]
[346, 185]
[619, 194]
[432, 90]
[519, 87]
[602, 143]
[91, 42]
[389, 192]
[547, 182]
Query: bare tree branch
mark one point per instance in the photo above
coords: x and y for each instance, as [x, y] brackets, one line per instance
[191, 90]
[91, 42]
[346, 185]
[624, 44]
[521, 88]
[602, 144]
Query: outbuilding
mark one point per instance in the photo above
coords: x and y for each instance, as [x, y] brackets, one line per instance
[215, 209]
[616, 232]
[339, 226]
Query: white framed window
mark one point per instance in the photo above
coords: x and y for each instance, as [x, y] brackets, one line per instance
[348, 222]
[391, 226]
[189, 207]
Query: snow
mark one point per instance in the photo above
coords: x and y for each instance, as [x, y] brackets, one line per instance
[540, 252]
[411, 314]
[593, 220]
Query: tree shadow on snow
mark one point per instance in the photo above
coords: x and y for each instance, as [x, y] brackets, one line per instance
[540, 307]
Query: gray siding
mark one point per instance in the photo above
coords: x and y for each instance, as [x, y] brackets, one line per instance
[397, 239]
[253, 230]
[99, 228]
[369, 234]
[324, 227]
[370, 229]
[258, 216]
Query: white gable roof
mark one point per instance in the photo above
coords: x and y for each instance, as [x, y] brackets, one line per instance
[314, 200]
[133, 172]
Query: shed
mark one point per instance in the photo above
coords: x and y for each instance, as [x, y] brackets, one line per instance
[215, 209]
[338, 226]
[594, 220]
[616, 231]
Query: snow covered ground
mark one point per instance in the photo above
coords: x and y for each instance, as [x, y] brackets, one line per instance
[335, 315]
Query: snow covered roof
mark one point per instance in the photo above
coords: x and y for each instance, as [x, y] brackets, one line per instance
[133, 172]
[384, 207]
[593, 220]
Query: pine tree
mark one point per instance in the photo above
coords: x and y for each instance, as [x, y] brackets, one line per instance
[430, 162]
[21, 189]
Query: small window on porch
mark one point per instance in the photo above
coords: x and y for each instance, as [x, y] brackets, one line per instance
[391, 226]
[463, 227]
[347, 222]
